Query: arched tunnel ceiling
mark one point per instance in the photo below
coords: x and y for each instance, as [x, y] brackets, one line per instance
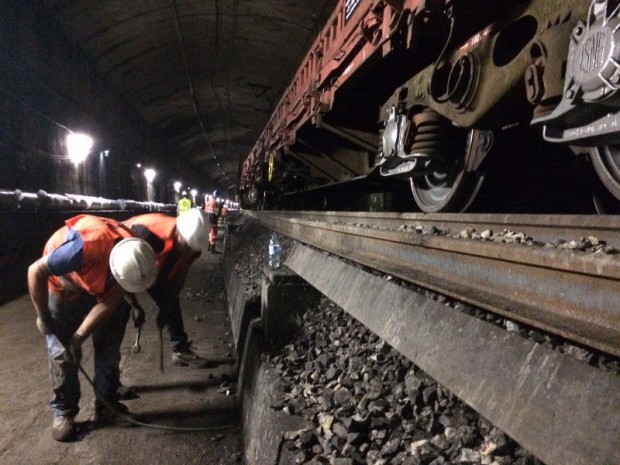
[205, 74]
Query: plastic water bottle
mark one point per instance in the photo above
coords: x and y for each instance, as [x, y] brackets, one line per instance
[274, 251]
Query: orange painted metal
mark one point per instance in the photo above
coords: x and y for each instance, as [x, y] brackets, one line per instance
[339, 51]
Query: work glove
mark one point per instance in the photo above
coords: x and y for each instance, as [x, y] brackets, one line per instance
[138, 316]
[73, 352]
[45, 324]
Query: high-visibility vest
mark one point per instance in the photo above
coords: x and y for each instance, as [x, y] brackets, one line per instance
[99, 236]
[161, 226]
[211, 206]
[185, 205]
[173, 262]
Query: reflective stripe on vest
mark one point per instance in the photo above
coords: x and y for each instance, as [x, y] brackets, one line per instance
[211, 206]
[185, 205]
[162, 226]
[99, 236]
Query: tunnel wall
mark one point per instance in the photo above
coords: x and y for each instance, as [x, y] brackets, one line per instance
[48, 89]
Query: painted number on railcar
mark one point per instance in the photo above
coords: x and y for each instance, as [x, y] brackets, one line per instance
[349, 8]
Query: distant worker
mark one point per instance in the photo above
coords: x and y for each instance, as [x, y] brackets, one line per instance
[177, 243]
[212, 209]
[224, 212]
[185, 203]
[87, 268]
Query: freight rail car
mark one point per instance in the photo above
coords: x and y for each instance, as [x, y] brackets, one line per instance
[423, 91]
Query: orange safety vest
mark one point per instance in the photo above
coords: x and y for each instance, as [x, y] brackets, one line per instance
[162, 226]
[99, 236]
[173, 267]
[211, 206]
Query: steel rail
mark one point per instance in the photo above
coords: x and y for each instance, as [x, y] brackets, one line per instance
[570, 294]
[546, 228]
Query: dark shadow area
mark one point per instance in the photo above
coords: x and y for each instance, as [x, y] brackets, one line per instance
[207, 416]
[194, 386]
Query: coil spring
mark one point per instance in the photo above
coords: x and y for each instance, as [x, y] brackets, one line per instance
[428, 133]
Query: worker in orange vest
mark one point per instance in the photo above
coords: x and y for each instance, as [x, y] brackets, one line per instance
[87, 267]
[212, 209]
[177, 241]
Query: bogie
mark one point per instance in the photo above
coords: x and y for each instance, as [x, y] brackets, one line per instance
[449, 79]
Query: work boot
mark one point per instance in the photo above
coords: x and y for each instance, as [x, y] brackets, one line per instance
[127, 392]
[116, 414]
[63, 428]
[185, 356]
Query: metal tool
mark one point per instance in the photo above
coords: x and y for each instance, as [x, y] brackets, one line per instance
[136, 345]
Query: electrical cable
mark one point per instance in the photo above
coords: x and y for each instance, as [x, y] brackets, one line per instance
[129, 419]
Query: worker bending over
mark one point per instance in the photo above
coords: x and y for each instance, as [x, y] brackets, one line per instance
[87, 268]
[177, 243]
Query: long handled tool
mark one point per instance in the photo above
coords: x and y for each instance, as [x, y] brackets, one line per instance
[136, 345]
[138, 317]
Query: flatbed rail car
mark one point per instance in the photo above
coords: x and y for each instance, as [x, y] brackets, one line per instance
[423, 90]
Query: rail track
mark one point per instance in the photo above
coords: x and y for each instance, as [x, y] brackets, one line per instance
[572, 294]
[562, 410]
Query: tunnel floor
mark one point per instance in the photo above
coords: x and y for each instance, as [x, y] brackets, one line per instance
[180, 397]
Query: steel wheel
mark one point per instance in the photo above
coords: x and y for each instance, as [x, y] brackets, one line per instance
[606, 162]
[449, 188]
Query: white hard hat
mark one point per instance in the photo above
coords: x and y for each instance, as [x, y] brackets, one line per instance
[192, 228]
[133, 264]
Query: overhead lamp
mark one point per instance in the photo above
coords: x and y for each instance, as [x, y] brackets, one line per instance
[150, 174]
[177, 186]
[78, 147]
[138, 165]
[193, 192]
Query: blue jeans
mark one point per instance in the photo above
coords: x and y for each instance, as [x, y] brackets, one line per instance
[107, 338]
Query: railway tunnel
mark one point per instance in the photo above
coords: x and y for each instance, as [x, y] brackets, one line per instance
[386, 336]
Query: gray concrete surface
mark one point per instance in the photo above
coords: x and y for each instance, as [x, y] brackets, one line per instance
[180, 396]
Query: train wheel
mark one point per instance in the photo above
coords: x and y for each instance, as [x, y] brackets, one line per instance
[451, 189]
[606, 162]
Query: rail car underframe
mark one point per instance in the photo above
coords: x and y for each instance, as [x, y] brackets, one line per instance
[513, 71]
[563, 58]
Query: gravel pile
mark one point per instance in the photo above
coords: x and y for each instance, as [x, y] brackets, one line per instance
[251, 249]
[584, 244]
[362, 402]
[366, 404]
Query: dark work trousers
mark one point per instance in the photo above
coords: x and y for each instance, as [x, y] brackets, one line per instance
[67, 317]
[170, 306]
[168, 303]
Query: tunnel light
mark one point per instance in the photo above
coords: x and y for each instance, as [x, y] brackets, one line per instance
[193, 192]
[78, 147]
[138, 165]
[177, 186]
[150, 174]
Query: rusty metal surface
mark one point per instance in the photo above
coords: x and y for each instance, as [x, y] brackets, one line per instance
[570, 294]
[355, 35]
[563, 411]
[546, 228]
